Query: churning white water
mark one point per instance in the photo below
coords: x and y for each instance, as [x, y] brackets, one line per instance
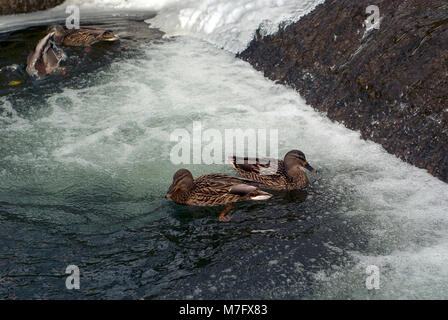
[118, 129]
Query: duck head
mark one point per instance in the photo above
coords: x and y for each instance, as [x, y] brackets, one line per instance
[182, 182]
[293, 161]
[58, 31]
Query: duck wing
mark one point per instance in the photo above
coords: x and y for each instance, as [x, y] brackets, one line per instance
[100, 33]
[87, 36]
[52, 57]
[45, 58]
[220, 183]
[220, 189]
[264, 166]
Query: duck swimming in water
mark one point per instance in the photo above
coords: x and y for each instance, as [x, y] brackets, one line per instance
[273, 174]
[45, 58]
[82, 37]
[212, 190]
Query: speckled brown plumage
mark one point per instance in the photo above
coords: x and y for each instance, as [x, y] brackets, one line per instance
[273, 174]
[45, 58]
[83, 37]
[212, 189]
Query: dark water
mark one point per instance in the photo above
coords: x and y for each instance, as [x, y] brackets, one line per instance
[267, 251]
[84, 165]
[16, 45]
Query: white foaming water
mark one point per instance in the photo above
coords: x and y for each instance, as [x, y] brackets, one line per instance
[226, 24]
[122, 127]
[230, 25]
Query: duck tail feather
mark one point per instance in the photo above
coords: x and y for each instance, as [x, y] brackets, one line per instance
[261, 196]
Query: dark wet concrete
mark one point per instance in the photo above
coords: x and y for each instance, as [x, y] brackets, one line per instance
[390, 84]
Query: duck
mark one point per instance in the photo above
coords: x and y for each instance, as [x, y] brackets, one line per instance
[274, 174]
[45, 58]
[213, 190]
[82, 37]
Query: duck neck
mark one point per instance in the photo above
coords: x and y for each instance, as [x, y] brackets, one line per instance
[59, 37]
[181, 196]
[299, 177]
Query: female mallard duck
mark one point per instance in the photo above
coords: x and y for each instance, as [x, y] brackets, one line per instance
[273, 174]
[82, 37]
[45, 58]
[212, 190]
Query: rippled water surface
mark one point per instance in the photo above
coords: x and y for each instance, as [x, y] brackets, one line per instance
[85, 163]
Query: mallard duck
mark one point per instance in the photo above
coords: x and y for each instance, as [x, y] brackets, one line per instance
[82, 37]
[213, 190]
[45, 58]
[273, 174]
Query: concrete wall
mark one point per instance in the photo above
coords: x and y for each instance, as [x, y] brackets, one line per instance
[22, 6]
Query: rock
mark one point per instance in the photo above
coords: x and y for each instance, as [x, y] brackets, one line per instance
[391, 84]
[23, 6]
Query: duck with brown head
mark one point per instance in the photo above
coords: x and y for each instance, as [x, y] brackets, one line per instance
[273, 174]
[213, 190]
[82, 37]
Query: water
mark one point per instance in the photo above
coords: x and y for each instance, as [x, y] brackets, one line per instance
[84, 166]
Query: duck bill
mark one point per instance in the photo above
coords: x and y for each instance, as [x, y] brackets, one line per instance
[310, 168]
[170, 191]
